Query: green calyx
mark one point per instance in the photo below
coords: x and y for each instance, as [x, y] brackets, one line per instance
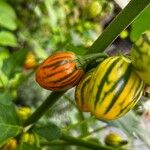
[84, 61]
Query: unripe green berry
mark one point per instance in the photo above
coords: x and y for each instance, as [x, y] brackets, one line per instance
[114, 139]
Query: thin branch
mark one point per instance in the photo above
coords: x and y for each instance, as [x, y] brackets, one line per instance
[44, 107]
[87, 144]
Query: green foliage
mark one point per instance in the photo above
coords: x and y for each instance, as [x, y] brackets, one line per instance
[7, 16]
[7, 39]
[9, 122]
[14, 63]
[140, 24]
[49, 132]
[4, 53]
[25, 146]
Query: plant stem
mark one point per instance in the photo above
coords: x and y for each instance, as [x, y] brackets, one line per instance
[87, 144]
[94, 131]
[87, 59]
[43, 108]
[55, 143]
[84, 126]
[124, 19]
[79, 123]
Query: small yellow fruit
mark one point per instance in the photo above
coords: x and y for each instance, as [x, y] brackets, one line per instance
[114, 139]
[30, 61]
[24, 112]
[124, 34]
[94, 9]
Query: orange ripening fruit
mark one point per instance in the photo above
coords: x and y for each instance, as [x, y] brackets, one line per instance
[60, 71]
[11, 145]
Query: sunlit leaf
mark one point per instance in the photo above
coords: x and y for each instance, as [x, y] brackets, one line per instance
[141, 24]
[7, 39]
[7, 16]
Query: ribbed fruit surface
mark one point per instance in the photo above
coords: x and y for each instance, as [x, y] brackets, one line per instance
[59, 72]
[81, 92]
[114, 88]
[140, 56]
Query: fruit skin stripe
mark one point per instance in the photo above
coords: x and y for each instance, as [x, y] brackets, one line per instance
[146, 39]
[64, 77]
[114, 85]
[104, 80]
[138, 50]
[83, 94]
[61, 72]
[123, 83]
[138, 94]
[121, 104]
[68, 84]
[50, 75]
[56, 64]
[73, 80]
[94, 79]
[130, 105]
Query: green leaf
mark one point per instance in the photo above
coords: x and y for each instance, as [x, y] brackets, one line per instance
[7, 39]
[14, 63]
[4, 53]
[25, 146]
[7, 16]
[9, 122]
[122, 20]
[49, 132]
[140, 24]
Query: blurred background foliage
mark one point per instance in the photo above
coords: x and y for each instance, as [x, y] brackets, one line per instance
[31, 30]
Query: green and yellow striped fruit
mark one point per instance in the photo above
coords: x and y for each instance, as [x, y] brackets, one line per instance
[140, 56]
[81, 92]
[114, 88]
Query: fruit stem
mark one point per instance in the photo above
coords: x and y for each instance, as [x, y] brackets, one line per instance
[44, 107]
[87, 144]
[90, 58]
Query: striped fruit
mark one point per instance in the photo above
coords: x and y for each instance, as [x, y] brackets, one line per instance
[140, 56]
[81, 92]
[114, 88]
[59, 72]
